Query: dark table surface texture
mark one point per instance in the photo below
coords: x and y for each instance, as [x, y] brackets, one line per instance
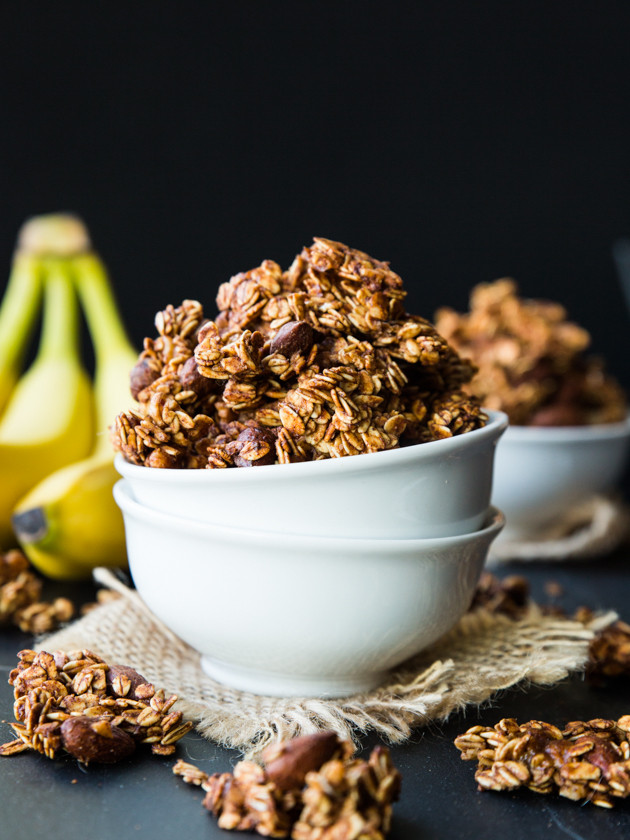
[40, 798]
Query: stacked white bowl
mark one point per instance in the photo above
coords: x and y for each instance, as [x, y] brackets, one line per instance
[314, 578]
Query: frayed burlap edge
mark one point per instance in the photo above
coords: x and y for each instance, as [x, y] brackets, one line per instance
[592, 529]
[483, 654]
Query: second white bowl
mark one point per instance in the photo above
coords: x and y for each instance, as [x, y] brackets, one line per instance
[541, 472]
[289, 615]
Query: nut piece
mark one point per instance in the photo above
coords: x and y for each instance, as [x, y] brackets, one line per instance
[141, 376]
[123, 681]
[293, 337]
[288, 762]
[96, 740]
[257, 448]
[193, 380]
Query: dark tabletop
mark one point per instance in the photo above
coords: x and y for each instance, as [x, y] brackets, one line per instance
[40, 798]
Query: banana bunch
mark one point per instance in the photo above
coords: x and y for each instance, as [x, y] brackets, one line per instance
[56, 461]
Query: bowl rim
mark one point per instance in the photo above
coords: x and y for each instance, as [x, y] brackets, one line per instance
[568, 434]
[434, 449]
[123, 496]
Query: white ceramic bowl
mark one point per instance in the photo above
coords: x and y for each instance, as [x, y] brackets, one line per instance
[435, 489]
[541, 472]
[289, 615]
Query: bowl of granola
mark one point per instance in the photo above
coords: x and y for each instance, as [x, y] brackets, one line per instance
[295, 615]
[439, 488]
[312, 403]
[569, 429]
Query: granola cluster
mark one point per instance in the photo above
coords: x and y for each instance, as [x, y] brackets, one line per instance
[310, 788]
[609, 651]
[97, 712]
[20, 597]
[531, 360]
[587, 760]
[317, 361]
[508, 596]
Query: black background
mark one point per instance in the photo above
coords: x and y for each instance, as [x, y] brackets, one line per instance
[461, 141]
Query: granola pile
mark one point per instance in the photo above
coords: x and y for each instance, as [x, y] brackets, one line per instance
[20, 597]
[587, 760]
[532, 362]
[317, 361]
[309, 788]
[96, 712]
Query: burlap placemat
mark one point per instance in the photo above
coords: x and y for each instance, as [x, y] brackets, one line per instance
[589, 530]
[484, 653]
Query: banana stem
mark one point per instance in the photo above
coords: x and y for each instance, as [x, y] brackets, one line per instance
[60, 326]
[20, 305]
[99, 304]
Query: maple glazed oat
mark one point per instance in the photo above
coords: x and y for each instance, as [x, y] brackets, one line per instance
[531, 360]
[317, 361]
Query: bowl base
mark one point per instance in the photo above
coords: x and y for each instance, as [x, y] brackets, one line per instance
[288, 685]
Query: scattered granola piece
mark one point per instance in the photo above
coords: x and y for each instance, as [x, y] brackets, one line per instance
[319, 361]
[308, 788]
[586, 761]
[20, 593]
[609, 652]
[509, 595]
[532, 362]
[76, 702]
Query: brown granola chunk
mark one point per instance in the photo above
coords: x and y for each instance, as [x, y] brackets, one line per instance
[587, 760]
[609, 653]
[20, 597]
[308, 788]
[77, 702]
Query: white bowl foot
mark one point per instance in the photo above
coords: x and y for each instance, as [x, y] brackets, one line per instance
[288, 685]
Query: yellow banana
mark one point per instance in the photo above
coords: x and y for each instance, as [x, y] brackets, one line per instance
[20, 305]
[69, 523]
[49, 419]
